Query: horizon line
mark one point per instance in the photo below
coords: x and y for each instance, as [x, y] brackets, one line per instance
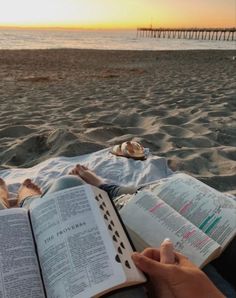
[102, 28]
[65, 27]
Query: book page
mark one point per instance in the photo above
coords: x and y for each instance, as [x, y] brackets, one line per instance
[209, 210]
[76, 253]
[117, 233]
[19, 271]
[153, 220]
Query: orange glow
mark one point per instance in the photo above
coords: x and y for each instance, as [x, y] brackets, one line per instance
[102, 14]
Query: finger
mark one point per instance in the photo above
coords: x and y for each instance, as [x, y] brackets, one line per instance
[183, 260]
[152, 253]
[167, 255]
[150, 266]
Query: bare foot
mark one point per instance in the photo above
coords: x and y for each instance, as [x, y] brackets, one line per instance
[87, 175]
[4, 193]
[27, 189]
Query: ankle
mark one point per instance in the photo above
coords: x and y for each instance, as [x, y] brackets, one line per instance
[4, 202]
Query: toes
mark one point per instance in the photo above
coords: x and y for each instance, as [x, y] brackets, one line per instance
[36, 188]
[2, 182]
[79, 168]
[27, 182]
[75, 170]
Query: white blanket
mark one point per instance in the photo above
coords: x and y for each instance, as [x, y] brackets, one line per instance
[118, 170]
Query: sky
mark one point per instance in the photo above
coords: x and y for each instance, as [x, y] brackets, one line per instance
[120, 14]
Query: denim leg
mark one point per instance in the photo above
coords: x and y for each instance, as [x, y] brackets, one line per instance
[27, 201]
[60, 184]
[114, 190]
[221, 284]
[225, 263]
[137, 292]
[64, 183]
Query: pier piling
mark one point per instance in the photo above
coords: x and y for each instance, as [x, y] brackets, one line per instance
[227, 34]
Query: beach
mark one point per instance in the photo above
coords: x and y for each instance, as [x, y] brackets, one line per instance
[68, 102]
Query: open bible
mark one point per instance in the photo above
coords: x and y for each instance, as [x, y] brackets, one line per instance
[70, 244]
[199, 220]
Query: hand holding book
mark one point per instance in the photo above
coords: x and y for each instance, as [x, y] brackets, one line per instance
[173, 275]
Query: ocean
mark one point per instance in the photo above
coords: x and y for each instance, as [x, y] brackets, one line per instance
[100, 39]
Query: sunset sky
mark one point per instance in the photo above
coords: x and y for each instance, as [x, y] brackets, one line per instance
[118, 13]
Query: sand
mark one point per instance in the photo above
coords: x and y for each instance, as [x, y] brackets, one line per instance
[180, 104]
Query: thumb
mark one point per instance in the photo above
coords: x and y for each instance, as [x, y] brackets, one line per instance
[150, 266]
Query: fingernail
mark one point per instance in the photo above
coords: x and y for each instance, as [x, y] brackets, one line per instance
[167, 240]
[135, 257]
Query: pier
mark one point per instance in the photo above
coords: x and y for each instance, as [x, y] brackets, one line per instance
[227, 34]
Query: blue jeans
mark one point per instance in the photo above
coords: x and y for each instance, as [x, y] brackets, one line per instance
[222, 284]
[114, 191]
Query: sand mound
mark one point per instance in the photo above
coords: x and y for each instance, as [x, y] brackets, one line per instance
[38, 147]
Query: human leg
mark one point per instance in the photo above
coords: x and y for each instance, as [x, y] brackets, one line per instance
[87, 175]
[135, 292]
[222, 284]
[63, 183]
[27, 192]
[225, 263]
[3, 195]
[113, 190]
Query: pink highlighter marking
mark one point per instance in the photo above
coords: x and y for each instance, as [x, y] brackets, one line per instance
[188, 234]
[153, 209]
[202, 242]
[185, 208]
